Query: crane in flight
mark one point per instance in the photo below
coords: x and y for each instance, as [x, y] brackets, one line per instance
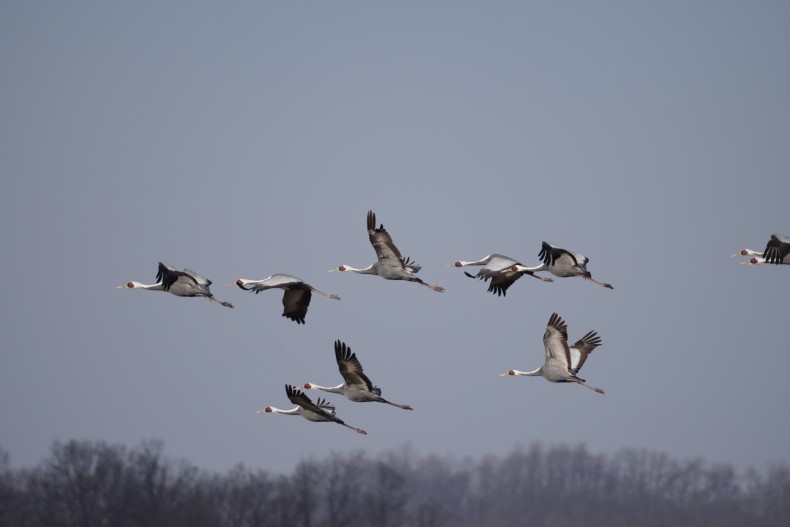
[499, 269]
[296, 293]
[562, 363]
[562, 263]
[357, 386]
[179, 282]
[319, 411]
[389, 264]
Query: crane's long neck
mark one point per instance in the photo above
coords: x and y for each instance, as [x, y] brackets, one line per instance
[151, 287]
[330, 389]
[464, 263]
[371, 269]
[533, 373]
[273, 410]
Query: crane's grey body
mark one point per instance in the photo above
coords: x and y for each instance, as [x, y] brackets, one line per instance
[357, 386]
[296, 293]
[389, 262]
[499, 270]
[562, 363]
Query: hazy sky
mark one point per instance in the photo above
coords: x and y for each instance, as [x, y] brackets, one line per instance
[249, 138]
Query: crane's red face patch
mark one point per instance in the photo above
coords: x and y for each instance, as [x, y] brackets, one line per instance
[744, 252]
[268, 409]
[341, 268]
[753, 260]
[130, 285]
[511, 372]
[458, 264]
[239, 282]
[308, 386]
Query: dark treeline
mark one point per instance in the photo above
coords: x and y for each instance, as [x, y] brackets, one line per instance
[92, 484]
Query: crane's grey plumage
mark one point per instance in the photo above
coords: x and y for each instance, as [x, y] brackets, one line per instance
[499, 270]
[296, 294]
[389, 264]
[562, 263]
[562, 363]
[357, 386]
[180, 282]
[320, 411]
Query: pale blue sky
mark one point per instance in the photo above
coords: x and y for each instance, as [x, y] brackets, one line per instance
[250, 138]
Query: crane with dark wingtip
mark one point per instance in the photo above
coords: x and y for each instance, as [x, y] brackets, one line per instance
[296, 293]
[562, 263]
[562, 362]
[499, 269]
[389, 264]
[357, 386]
[179, 282]
[319, 411]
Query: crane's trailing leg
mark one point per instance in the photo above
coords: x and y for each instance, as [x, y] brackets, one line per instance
[590, 386]
[608, 286]
[331, 295]
[220, 302]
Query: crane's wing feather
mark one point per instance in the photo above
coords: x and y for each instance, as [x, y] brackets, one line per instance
[381, 240]
[298, 397]
[550, 254]
[296, 299]
[555, 340]
[168, 275]
[500, 280]
[582, 348]
[777, 249]
[350, 368]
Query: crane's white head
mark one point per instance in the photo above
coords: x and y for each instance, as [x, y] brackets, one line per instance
[131, 285]
[339, 268]
[241, 282]
[309, 386]
[508, 373]
[266, 410]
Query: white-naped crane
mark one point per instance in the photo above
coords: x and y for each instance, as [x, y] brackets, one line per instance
[777, 251]
[499, 269]
[562, 362]
[562, 263]
[389, 264]
[180, 282]
[357, 386]
[296, 293]
[320, 411]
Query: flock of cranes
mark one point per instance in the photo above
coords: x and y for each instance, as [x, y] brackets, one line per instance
[562, 362]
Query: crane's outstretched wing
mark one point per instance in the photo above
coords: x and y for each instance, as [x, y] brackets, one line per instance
[351, 369]
[296, 299]
[549, 255]
[382, 241]
[298, 397]
[777, 249]
[555, 340]
[582, 348]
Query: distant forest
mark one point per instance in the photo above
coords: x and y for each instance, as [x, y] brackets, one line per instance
[92, 484]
